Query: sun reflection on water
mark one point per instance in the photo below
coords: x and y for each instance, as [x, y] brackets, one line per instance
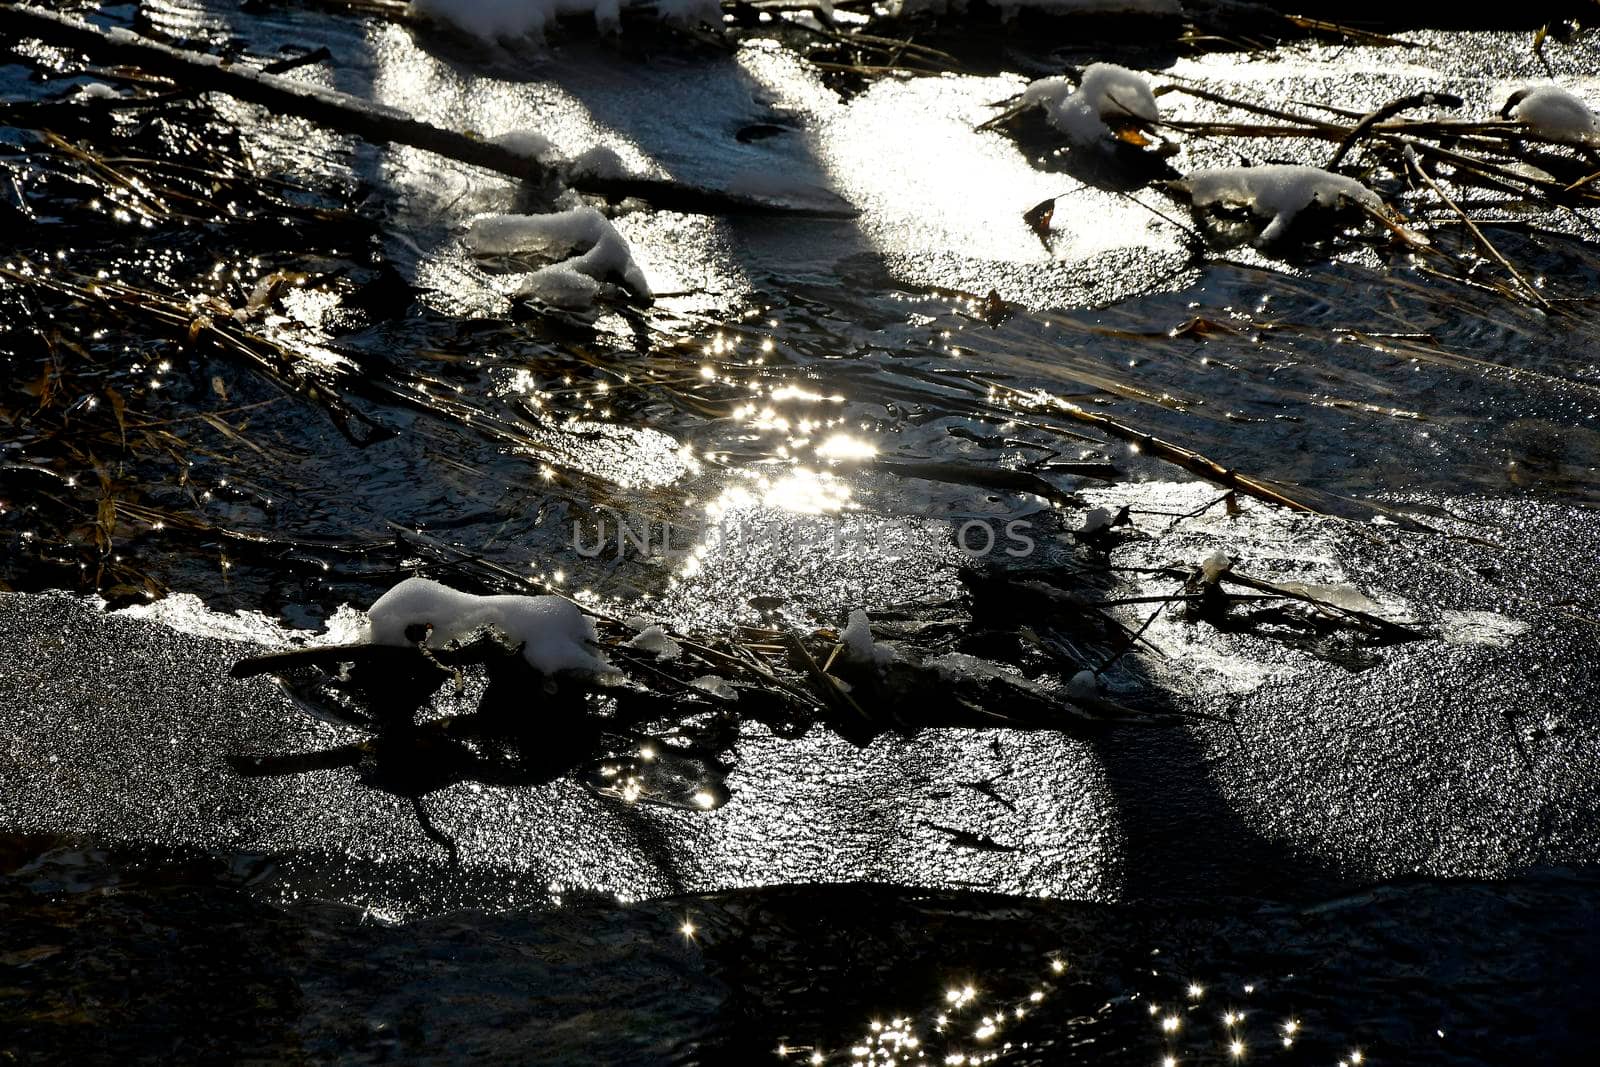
[1016, 1028]
[808, 492]
[844, 446]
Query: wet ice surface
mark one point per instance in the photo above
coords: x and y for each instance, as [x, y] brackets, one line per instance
[1468, 755]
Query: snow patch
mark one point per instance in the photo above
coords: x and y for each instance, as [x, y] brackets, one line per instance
[654, 639]
[554, 635]
[858, 643]
[1096, 520]
[1107, 91]
[1277, 191]
[489, 20]
[690, 12]
[1340, 595]
[346, 626]
[598, 162]
[188, 614]
[1555, 115]
[715, 685]
[960, 667]
[531, 144]
[571, 283]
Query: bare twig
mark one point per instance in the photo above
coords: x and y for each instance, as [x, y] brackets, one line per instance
[1394, 107]
[1478, 235]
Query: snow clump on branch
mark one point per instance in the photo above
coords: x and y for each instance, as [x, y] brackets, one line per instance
[555, 636]
[1107, 94]
[1277, 192]
[572, 283]
[1554, 114]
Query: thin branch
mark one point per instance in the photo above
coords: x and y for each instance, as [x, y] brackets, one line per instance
[1478, 235]
[1394, 107]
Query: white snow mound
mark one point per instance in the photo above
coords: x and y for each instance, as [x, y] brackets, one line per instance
[1278, 192]
[858, 643]
[600, 161]
[554, 634]
[571, 283]
[1555, 114]
[655, 640]
[531, 144]
[1107, 91]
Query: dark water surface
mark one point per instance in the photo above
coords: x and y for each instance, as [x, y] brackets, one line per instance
[249, 361]
[175, 960]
